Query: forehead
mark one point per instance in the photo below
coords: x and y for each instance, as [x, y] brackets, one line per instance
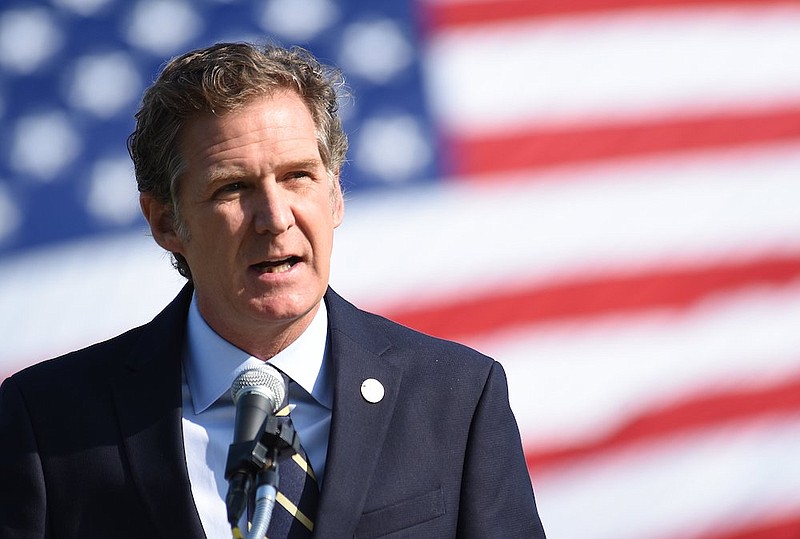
[273, 124]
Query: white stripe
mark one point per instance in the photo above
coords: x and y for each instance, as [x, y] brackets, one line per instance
[617, 65]
[431, 244]
[434, 243]
[65, 297]
[719, 479]
[572, 382]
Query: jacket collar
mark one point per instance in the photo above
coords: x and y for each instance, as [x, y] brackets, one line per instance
[358, 427]
[148, 400]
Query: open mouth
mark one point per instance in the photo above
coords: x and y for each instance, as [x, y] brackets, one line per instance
[277, 266]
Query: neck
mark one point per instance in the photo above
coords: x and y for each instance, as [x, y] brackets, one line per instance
[261, 339]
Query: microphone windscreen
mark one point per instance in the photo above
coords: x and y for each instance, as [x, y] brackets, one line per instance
[265, 380]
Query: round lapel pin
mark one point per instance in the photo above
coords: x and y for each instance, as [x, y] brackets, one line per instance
[372, 390]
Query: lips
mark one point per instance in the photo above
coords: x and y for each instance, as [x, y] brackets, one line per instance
[277, 266]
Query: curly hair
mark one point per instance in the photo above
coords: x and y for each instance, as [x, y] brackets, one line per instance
[223, 78]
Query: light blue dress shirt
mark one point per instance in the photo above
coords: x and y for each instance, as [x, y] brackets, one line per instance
[209, 368]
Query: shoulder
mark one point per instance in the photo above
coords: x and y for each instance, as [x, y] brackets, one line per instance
[77, 370]
[424, 358]
[369, 326]
[104, 361]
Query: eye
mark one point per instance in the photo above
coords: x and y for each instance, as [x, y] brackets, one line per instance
[229, 188]
[299, 174]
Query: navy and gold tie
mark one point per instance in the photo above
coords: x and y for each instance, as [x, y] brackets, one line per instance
[298, 492]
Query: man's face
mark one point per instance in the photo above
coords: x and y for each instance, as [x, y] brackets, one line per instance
[258, 210]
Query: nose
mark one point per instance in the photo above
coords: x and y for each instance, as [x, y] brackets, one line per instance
[272, 212]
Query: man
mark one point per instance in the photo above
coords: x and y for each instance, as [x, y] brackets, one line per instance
[237, 152]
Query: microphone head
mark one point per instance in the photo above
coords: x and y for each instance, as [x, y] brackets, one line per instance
[264, 380]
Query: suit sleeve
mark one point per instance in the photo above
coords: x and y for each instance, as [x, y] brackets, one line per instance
[497, 498]
[22, 492]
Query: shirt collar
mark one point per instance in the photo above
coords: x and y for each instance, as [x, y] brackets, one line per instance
[212, 363]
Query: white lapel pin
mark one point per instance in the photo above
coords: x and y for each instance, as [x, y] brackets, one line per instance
[372, 390]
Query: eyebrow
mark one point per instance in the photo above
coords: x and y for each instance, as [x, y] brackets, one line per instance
[234, 172]
[221, 174]
[305, 164]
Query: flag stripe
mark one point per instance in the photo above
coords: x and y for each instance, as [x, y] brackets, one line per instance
[577, 381]
[779, 527]
[691, 414]
[650, 398]
[611, 214]
[567, 73]
[454, 14]
[673, 288]
[480, 155]
[565, 224]
[721, 479]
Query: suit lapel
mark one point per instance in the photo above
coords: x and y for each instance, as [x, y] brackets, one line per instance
[356, 354]
[148, 399]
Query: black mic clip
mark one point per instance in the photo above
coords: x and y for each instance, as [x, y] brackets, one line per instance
[279, 435]
[250, 458]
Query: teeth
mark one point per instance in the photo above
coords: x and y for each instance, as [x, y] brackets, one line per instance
[278, 266]
[278, 269]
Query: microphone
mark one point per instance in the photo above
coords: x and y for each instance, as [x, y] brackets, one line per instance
[257, 393]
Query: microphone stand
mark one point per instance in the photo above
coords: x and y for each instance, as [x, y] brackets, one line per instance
[266, 493]
[256, 463]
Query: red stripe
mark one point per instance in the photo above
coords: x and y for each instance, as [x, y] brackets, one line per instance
[542, 148]
[446, 15]
[787, 527]
[695, 414]
[463, 319]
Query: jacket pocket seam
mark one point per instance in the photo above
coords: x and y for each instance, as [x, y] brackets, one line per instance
[401, 516]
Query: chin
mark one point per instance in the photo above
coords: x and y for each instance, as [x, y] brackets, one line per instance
[284, 309]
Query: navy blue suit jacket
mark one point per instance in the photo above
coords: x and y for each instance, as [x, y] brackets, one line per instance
[91, 443]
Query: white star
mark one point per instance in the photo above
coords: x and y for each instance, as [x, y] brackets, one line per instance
[392, 148]
[163, 26]
[28, 38]
[82, 7]
[104, 84]
[298, 20]
[43, 144]
[112, 196]
[376, 50]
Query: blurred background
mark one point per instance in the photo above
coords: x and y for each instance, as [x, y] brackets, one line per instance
[603, 195]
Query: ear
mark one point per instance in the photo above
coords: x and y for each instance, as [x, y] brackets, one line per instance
[160, 216]
[338, 202]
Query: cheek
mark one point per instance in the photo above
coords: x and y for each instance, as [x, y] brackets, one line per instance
[207, 238]
[221, 221]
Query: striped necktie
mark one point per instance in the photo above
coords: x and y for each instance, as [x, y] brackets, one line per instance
[298, 492]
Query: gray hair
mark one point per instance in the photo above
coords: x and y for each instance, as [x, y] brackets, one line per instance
[223, 78]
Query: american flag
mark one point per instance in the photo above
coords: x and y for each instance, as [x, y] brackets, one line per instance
[603, 195]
